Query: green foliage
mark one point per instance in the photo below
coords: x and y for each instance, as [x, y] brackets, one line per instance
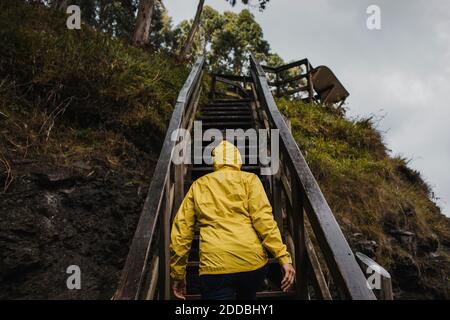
[227, 40]
[115, 17]
[57, 80]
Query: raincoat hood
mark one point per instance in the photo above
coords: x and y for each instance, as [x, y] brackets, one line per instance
[226, 155]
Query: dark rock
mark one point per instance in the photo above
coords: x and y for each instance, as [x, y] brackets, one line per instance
[63, 222]
[55, 180]
[428, 244]
[405, 237]
[406, 272]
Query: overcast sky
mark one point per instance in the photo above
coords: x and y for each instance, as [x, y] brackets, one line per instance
[400, 73]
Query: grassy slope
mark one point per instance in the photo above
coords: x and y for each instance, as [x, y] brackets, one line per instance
[374, 196]
[90, 109]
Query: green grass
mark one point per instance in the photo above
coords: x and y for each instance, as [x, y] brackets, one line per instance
[78, 88]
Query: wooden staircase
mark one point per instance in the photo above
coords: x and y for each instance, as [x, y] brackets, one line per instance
[326, 267]
[225, 114]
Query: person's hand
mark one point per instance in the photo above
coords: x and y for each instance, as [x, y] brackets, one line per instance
[179, 289]
[288, 277]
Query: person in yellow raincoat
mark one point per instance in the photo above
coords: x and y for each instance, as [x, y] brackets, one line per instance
[236, 228]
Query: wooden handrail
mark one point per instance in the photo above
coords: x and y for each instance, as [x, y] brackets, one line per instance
[137, 269]
[287, 66]
[279, 83]
[307, 197]
[238, 82]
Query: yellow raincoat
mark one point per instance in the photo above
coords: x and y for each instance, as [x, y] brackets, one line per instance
[235, 219]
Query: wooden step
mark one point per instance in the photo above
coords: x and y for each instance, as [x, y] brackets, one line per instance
[229, 117]
[259, 295]
[220, 113]
[220, 107]
[231, 101]
[228, 125]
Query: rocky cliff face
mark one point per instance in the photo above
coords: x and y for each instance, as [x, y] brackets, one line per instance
[54, 218]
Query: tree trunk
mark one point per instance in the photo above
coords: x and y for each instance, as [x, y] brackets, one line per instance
[190, 39]
[143, 22]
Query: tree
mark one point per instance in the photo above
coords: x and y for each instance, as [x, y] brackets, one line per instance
[194, 27]
[195, 24]
[162, 34]
[143, 22]
[231, 44]
[226, 40]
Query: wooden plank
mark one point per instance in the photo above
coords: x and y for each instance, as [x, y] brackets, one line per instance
[301, 254]
[153, 278]
[233, 77]
[164, 253]
[286, 66]
[239, 88]
[339, 257]
[286, 188]
[318, 279]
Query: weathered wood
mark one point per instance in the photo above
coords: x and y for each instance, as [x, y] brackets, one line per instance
[164, 232]
[340, 260]
[318, 279]
[310, 84]
[286, 66]
[179, 188]
[212, 90]
[301, 254]
[240, 90]
[277, 201]
[233, 77]
[134, 271]
[327, 85]
[153, 279]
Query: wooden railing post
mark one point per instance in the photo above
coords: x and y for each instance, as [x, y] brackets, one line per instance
[179, 188]
[277, 80]
[276, 189]
[310, 83]
[164, 263]
[212, 92]
[301, 254]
